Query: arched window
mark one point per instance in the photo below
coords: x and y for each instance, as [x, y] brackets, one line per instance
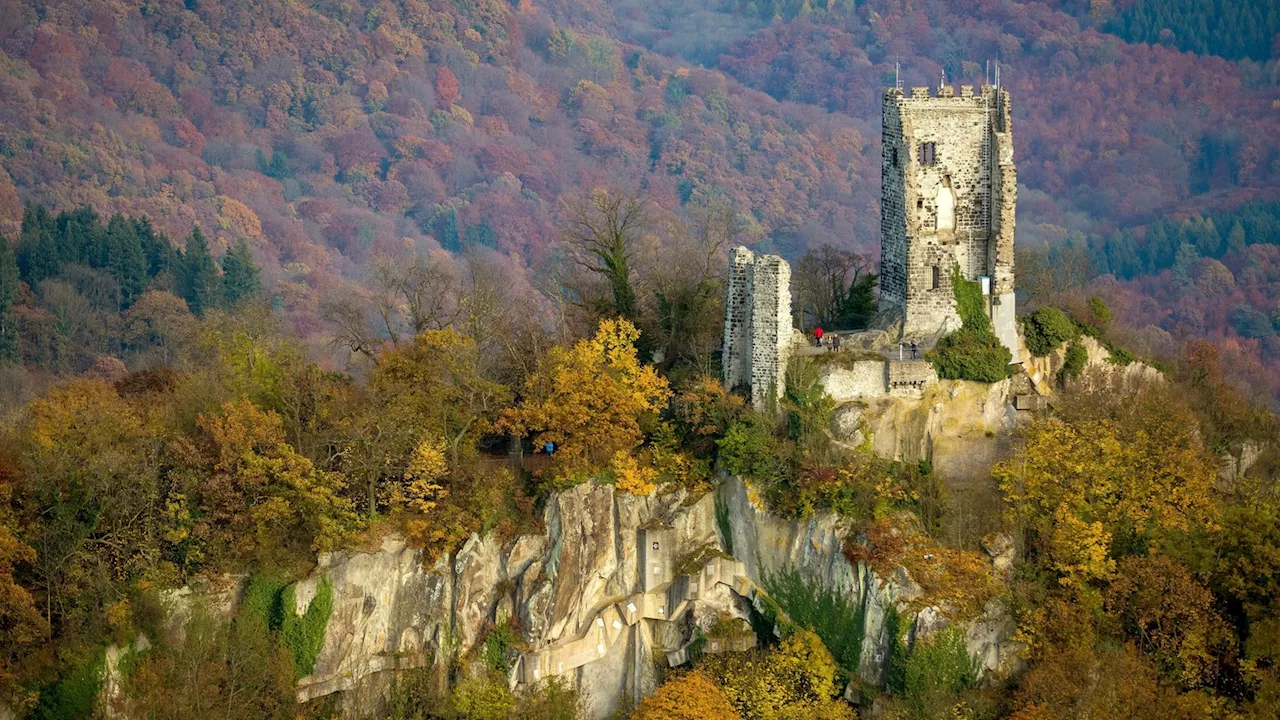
[946, 206]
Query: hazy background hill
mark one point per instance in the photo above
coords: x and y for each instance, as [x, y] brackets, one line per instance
[328, 133]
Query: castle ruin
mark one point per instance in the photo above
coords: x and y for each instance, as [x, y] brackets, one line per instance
[757, 326]
[948, 191]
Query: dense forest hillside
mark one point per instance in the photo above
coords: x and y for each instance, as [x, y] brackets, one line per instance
[328, 134]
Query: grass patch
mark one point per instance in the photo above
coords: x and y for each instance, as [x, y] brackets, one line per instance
[806, 603]
[724, 524]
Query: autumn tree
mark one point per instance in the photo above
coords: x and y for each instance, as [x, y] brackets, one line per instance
[691, 696]
[431, 389]
[90, 488]
[603, 232]
[588, 400]
[797, 679]
[262, 497]
[447, 87]
[403, 298]
[1080, 487]
[688, 274]
[159, 324]
[1171, 616]
[21, 624]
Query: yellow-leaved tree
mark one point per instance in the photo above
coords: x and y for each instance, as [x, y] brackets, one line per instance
[691, 696]
[588, 400]
[1080, 487]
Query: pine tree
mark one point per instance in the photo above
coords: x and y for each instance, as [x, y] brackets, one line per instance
[38, 256]
[240, 276]
[125, 259]
[446, 227]
[161, 255]
[8, 293]
[199, 276]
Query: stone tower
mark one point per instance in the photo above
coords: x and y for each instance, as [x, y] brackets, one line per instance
[948, 191]
[757, 325]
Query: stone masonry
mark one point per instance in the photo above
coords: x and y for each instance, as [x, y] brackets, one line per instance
[757, 327]
[948, 191]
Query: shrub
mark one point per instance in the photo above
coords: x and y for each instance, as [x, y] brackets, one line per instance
[498, 643]
[797, 679]
[262, 602]
[936, 670]
[808, 406]
[1046, 329]
[75, 693]
[969, 355]
[750, 449]
[1101, 313]
[1076, 358]
[303, 636]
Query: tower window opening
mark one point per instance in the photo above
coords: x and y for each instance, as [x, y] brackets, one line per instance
[937, 277]
[895, 157]
[928, 153]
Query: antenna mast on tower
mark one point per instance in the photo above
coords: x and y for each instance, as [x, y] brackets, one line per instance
[897, 75]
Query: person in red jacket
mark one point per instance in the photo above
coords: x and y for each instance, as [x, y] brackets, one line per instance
[817, 336]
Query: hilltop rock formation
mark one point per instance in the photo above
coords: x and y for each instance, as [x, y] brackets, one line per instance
[570, 587]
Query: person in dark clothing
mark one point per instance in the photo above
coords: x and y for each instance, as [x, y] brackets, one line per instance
[914, 348]
[835, 342]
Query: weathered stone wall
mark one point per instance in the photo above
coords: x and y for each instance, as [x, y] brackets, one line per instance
[955, 209]
[757, 326]
[851, 381]
[770, 326]
[736, 358]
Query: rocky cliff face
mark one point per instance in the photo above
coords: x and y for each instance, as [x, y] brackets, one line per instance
[577, 591]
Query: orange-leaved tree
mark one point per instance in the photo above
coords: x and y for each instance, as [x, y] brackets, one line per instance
[588, 400]
[691, 696]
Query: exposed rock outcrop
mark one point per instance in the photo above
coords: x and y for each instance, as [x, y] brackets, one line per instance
[572, 589]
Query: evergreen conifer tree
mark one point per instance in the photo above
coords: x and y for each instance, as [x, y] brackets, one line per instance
[198, 281]
[38, 256]
[446, 228]
[240, 276]
[161, 255]
[8, 293]
[126, 260]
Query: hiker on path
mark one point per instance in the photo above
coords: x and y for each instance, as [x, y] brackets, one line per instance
[817, 336]
[914, 348]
